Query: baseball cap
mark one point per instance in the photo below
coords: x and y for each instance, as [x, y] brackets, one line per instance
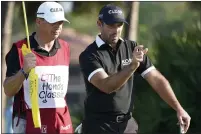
[52, 12]
[111, 14]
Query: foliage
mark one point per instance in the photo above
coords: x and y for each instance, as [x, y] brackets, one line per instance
[84, 19]
[159, 13]
[176, 52]
[196, 5]
[181, 67]
[81, 7]
[31, 9]
[84, 24]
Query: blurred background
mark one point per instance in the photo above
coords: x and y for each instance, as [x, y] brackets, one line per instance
[171, 31]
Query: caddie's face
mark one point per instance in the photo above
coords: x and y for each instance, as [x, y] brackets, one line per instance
[52, 30]
[111, 32]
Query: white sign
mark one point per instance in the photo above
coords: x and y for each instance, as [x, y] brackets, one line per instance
[52, 86]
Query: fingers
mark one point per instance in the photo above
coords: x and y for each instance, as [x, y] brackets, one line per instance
[139, 56]
[186, 124]
[139, 52]
[181, 125]
[140, 48]
[30, 55]
[181, 120]
[29, 62]
[145, 50]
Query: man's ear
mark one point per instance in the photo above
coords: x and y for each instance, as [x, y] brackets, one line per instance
[38, 21]
[99, 23]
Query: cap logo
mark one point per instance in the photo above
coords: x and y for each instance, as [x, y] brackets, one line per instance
[56, 9]
[115, 11]
[100, 16]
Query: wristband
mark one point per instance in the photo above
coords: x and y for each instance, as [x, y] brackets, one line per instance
[24, 73]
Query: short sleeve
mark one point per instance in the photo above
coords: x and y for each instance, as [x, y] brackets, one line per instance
[89, 64]
[145, 66]
[12, 62]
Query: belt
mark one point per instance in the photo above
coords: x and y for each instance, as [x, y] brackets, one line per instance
[122, 118]
[114, 118]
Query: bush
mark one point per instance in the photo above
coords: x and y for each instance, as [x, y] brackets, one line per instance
[177, 54]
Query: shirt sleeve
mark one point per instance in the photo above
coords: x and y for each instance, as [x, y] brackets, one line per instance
[145, 66]
[90, 64]
[12, 62]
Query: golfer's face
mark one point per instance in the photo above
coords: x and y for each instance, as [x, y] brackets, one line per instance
[112, 32]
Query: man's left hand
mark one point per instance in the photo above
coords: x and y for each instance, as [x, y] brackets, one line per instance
[184, 119]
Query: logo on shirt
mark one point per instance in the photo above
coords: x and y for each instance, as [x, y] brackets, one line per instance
[51, 87]
[44, 129]
[126, 62]
[65, 127]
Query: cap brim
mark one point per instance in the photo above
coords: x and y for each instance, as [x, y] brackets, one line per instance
[116, 21]
[56, 19]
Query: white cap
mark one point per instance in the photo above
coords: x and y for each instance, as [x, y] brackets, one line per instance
[52, 12]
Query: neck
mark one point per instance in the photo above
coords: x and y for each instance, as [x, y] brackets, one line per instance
[112, 45]
[44, 42]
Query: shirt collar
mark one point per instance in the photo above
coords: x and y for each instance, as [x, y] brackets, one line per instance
[36, 46]
[100, 42]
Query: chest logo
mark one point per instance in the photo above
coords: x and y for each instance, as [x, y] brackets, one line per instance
[51, 87]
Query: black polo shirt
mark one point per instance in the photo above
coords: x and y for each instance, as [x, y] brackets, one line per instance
[12, 58]
[13, 64]
[99, 56]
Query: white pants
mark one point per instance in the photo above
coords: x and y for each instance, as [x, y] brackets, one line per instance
[21, 128]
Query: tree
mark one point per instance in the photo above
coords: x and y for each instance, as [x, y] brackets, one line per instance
[133, 29]
[31, 9]
[7, 9]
